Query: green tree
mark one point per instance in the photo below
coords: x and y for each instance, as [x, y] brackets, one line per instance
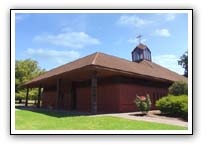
[25, 70]
[178, 88]
[184, 63]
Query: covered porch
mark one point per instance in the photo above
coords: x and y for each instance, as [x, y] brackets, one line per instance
[67, 83]
[94, 89]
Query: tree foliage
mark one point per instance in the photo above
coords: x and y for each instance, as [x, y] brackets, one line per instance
[178, 88]
[184, 63]
[26, 70]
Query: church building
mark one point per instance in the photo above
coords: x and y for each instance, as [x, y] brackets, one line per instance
[101, 83]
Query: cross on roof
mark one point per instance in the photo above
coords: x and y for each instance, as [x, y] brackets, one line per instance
[139, 38]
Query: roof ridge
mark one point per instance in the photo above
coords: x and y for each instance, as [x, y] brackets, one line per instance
[95, 57]
[70, 62]
[62, 66]
[115, 56]
[113, 62]
[150, 63]
[169, 70]
[165, 68]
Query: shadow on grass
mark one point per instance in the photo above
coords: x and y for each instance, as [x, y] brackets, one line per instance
[53, 113]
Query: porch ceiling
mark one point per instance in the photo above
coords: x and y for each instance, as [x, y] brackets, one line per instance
[85, 73]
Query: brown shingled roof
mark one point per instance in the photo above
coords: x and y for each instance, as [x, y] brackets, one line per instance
[144, 68]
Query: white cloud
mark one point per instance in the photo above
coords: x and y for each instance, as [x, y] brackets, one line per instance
[20, 17]
[143, 40]
[168, 61]
[133, 20]
[133, 40]
[68, 39]
[136, 41]
[67, 29]
[170, 16]
[59, 57]
[162, 33]
[166, 16]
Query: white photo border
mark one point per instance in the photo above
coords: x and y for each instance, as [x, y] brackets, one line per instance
[13, 131]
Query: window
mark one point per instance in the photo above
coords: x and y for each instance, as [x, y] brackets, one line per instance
[134, 56]
[147, 55]
[141, 56]
[138, 57]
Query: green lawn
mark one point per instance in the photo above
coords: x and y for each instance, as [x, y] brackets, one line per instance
[45, 120]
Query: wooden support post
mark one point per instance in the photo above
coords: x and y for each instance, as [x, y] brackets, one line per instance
[27, 91]
[58, 94]
[73, 99]
[94, 94]
[39, 97]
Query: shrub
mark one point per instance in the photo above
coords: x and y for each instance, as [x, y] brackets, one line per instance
[178, 88]
[174, 106]
[143, 103]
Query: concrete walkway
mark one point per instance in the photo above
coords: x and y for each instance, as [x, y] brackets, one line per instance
[152, 116]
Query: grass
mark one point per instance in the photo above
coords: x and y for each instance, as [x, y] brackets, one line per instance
[45, 120]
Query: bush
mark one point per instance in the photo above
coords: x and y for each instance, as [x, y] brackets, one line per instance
[143, 103]
[178, 88]
[174, 106]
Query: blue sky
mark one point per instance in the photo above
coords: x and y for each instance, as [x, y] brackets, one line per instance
[54, 39]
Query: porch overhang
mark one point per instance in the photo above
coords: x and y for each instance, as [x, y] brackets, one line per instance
[85, 73]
